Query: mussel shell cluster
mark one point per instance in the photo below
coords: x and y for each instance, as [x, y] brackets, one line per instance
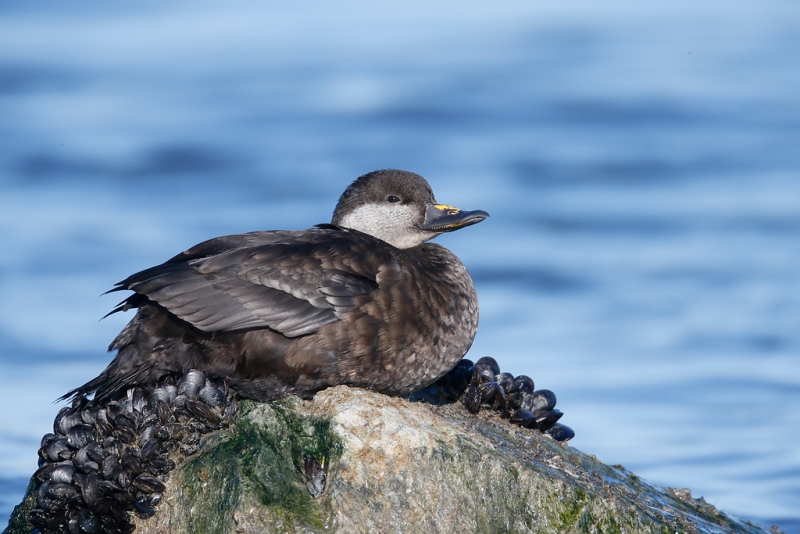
[105, 461]
[481, 385]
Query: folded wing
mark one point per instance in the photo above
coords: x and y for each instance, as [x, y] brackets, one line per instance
[291, 282]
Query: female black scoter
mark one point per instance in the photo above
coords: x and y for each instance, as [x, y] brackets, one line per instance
[363, 301]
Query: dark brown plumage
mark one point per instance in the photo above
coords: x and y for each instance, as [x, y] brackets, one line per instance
[363, 301]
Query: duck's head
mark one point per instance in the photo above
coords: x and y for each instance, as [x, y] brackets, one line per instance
[399, 208]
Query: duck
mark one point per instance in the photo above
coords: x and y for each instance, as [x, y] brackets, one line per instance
[364, 301]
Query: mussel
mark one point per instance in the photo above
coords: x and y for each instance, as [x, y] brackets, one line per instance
[191, 383]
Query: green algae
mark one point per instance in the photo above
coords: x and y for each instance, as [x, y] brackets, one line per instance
[572, 511]
[18, 523]
[262, 461]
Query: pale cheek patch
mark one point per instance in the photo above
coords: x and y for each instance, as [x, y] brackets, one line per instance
[393, 223]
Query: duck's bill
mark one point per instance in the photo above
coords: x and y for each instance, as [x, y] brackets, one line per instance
[444, 218]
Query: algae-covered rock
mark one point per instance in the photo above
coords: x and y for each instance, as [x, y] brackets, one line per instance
[356, 461]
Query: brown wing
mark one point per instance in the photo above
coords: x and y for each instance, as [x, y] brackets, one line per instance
[291, 282]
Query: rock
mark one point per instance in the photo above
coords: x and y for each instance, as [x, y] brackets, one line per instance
[383, 464]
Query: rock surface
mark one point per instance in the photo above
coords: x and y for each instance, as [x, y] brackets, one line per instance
[383, 464]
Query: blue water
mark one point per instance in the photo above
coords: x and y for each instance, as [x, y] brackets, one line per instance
[640, 163]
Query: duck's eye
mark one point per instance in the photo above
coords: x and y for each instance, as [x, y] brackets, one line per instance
[392, 198]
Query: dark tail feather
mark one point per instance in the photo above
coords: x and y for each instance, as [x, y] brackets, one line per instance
[134, 301]
[85, 390]
[149, 348]
[113, 381]
[132, 366]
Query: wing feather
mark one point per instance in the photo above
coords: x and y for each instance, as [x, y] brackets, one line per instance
[290, 282]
